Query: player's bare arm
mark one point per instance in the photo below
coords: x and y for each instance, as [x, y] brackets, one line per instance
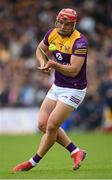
[40, 57]
[38, 53]
[71, 69]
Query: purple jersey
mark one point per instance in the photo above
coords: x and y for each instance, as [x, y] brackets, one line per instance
[76, 45]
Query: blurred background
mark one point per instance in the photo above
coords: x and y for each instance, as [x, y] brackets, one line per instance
[23, 25]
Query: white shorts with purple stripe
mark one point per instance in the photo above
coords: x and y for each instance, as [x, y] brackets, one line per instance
[70, 96]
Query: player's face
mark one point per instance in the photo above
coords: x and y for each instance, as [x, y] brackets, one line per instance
[64, 27]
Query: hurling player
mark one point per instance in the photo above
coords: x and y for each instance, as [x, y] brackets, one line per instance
[67, 91]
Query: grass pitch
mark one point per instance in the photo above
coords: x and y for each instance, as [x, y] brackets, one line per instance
[57, 164]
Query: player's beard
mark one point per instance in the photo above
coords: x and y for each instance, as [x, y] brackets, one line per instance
[64, 33]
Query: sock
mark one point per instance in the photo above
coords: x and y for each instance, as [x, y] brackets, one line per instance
[72, 148]
[35, 159]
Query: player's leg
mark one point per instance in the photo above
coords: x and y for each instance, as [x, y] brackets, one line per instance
[57, 116]
[46, 108]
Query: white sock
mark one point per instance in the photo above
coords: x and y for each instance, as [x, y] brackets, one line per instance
[76, 150]
[32, 162]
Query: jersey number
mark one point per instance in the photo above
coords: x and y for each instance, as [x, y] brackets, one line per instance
[59, 56]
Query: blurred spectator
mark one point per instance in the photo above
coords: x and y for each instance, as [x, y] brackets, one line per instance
[91, 112]
[106, 93]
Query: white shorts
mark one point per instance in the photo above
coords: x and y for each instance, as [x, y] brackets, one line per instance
[70, 96]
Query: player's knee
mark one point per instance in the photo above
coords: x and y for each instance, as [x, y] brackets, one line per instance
[51, 128]
[42, 127]
[51, 131]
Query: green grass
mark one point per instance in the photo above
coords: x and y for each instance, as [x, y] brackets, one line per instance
[57, 164]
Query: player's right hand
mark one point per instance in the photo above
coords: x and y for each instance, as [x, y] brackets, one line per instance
[46, 71]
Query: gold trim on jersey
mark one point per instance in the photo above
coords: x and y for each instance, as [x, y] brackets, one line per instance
[81, 49]
[65, 44]
[77, 51]
[81, 53]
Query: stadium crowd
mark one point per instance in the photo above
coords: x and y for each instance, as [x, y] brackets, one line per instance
[23, 24]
